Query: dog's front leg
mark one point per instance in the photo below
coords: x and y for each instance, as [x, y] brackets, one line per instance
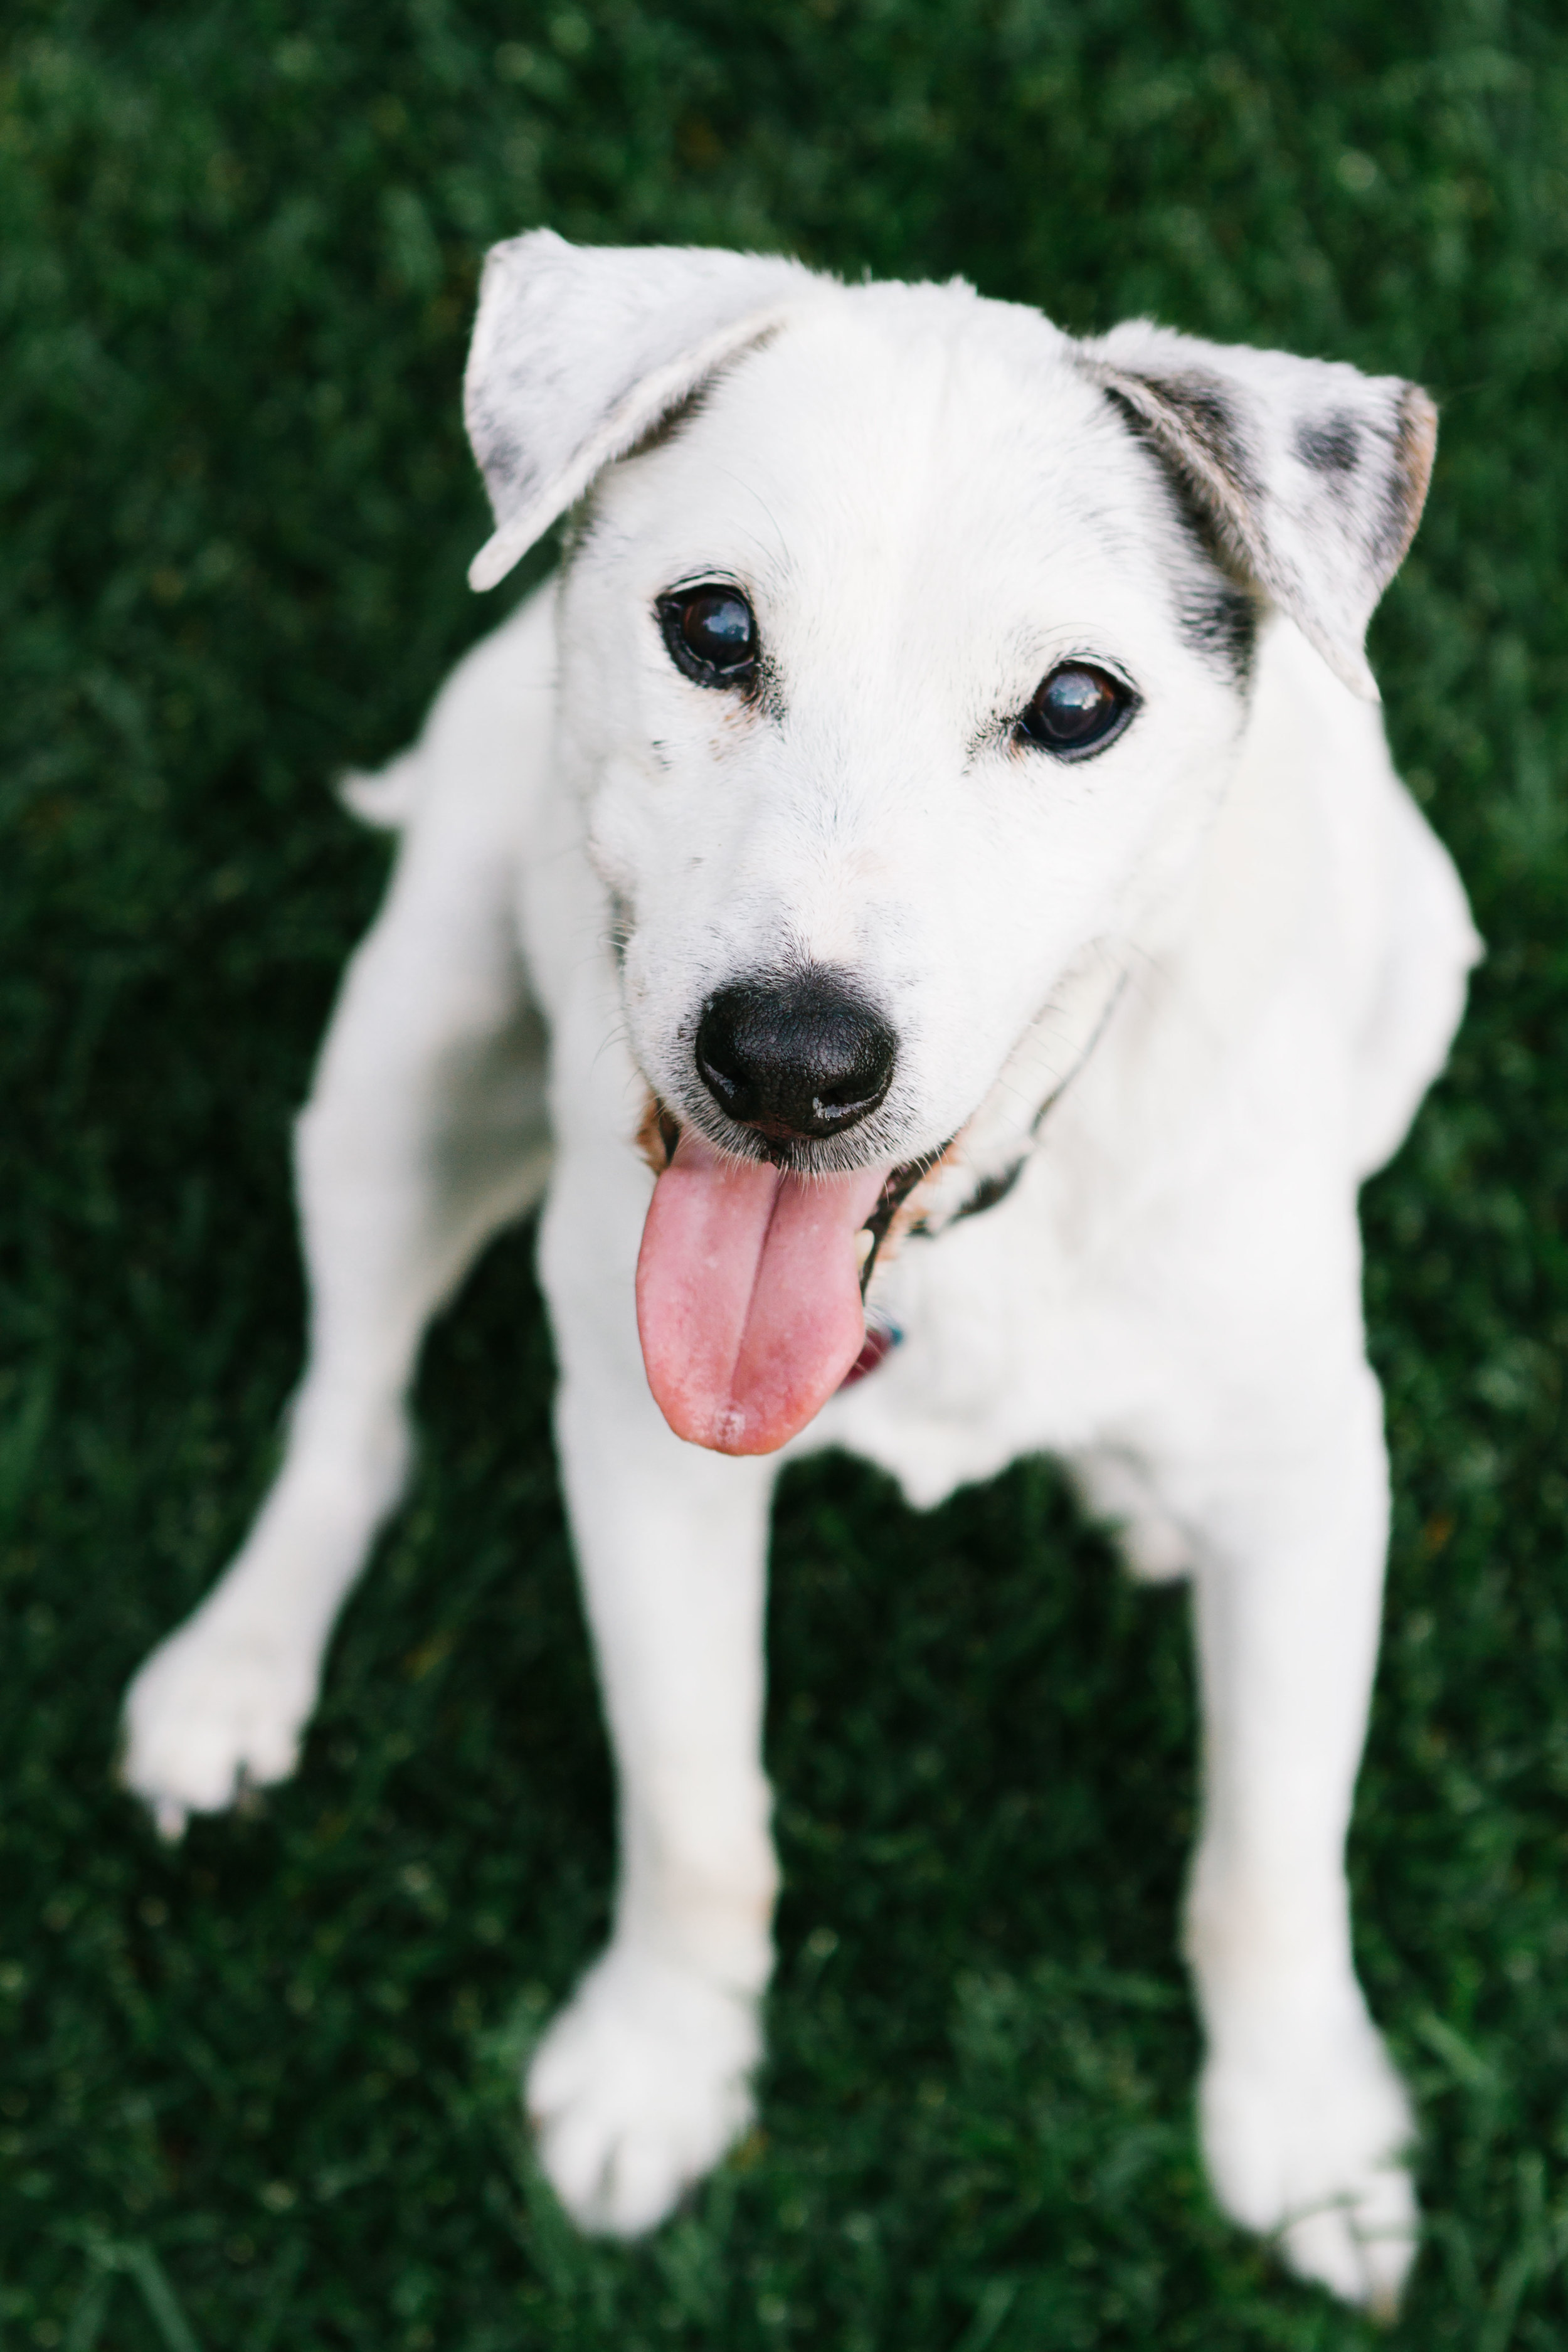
[644, 2080]
[1304, 2120]
[424, 1132]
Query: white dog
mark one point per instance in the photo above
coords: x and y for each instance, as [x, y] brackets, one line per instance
[940, 810]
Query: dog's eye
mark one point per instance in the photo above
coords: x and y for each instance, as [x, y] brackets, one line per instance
[711, 634]
[1076, 709]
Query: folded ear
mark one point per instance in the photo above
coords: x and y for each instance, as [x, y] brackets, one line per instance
[1310, 475]
[578, 351]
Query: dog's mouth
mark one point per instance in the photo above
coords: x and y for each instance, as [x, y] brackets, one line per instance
[750, 1285]
[753, 1271]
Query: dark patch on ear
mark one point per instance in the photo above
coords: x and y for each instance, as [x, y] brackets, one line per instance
[1329, 445]
[1216, 610]
[1200, 405]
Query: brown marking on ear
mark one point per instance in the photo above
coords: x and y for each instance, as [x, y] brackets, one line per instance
[1415, 446]
[658, 1134]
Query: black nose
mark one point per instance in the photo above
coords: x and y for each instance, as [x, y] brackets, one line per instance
[794, 1057]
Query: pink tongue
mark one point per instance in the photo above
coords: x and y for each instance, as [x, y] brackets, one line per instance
[749, 1295]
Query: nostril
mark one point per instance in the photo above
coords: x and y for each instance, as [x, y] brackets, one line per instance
[719, 1060]
[801, 1056]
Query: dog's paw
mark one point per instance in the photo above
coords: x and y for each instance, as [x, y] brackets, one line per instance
[1310, 2144]
[638, 2087]
[213, 1711]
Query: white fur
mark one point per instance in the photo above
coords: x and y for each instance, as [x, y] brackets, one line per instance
[1230, 934]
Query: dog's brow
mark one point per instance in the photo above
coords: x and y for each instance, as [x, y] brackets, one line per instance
[778, 556]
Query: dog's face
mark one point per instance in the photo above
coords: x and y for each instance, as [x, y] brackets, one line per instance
[900, 680]
[905, 649]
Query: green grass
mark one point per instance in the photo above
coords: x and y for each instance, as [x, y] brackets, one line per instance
[260, 2091]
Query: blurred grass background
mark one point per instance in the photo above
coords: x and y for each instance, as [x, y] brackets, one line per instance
[260, 2090]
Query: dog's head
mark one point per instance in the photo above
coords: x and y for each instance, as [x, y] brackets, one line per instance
[906, 646]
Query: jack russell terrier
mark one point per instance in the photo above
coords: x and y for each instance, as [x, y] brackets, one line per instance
[940, 817]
